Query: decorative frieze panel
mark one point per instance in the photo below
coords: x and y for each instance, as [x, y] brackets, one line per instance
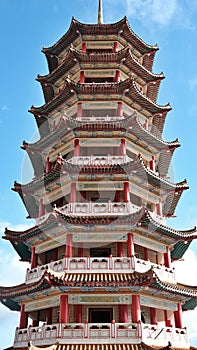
[99, 237]
[150, 244]
[42, 304]
[99, 299]
[158, 303]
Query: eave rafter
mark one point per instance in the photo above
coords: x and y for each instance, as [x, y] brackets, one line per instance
[102, 280]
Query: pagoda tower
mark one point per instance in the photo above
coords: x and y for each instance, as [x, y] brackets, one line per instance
[100, 252]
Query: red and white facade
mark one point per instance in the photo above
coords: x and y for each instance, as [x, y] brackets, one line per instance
[100, 253]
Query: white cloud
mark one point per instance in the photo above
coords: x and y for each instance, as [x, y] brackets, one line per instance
[4, 108]
[159, 11]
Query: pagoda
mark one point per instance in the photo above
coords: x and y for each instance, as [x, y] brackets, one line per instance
[101, 273]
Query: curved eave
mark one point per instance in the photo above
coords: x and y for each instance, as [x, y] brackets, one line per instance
[180, 248]
[42, 123]
[25, 289]
[126, 90]
[173, 198]
[63, 169]
[22, 250]
[190, 304]
[178, 288]
[148, 222]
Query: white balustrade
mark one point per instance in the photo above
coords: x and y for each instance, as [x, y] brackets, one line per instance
[106, 118]
[111, 264]
[102, 333]
[99, 160]
[161, 336]
[164, 273]
[96, 208]
[158, 218]
[79, 333]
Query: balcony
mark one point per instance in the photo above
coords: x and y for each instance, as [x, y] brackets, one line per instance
[79, 333]
[79, 265]
[106, 118]
[164, 273]
[99, 160]
[98, 209]
[111, 264]
[105, 333]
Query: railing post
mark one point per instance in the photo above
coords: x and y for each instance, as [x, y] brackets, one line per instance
[113, 329]
[86, 333]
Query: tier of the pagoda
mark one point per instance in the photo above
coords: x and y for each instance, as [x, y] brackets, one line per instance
[120, 30]
[123, 60]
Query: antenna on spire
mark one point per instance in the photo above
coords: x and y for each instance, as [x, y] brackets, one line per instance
[100, 12]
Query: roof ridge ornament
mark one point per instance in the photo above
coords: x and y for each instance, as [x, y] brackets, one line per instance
[100, 12]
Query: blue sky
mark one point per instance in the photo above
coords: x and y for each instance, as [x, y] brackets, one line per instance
[28, 25]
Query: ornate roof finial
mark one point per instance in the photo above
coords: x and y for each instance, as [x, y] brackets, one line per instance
[100, 12]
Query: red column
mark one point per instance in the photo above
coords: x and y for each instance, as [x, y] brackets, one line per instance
[119, 111]
[49, 315]
[41, 208]
[145, 254]
[33, 258]
[48, 165]
[159, 208]
[69, 246]
[178, 317]
[153, 315]
[23, 318]
[168, 322]
[167, 257]
[115, 46]
[123, 147]
[76, 148]
[82, 77]
[123, 313]
[130, 245]
[126, 192]
[73, 193]
[78, 313]
[79, 110]
[117, 77]
[81, 251]
[152, 164]
[83, 47]
[117, 196]
[120, 249]
[64, 309]
[135, 308]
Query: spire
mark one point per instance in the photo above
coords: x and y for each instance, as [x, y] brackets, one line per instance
[100, 12]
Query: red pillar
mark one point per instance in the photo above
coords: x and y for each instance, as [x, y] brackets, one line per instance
[79, 110]
[167, 257]
[115, 46]
[117, 196]
[123, 313]
[23, 318]
[159, 208]
[33, 258]
[80, 251]
[168, 322]
[152, 164]
[178, 317]
[117, 77]
[49, 315]
[41, 208]
[69, 246]
[78, 313]
[73, 193]
[123, 147]
[120, 249]
[76, 148]
[153, 315]
[119, 111]
[135, 308]
[130, 245]
[82, 77]
[64, 309]
[48, 165]
[145, 254]
[126, 192]
[83, 47]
